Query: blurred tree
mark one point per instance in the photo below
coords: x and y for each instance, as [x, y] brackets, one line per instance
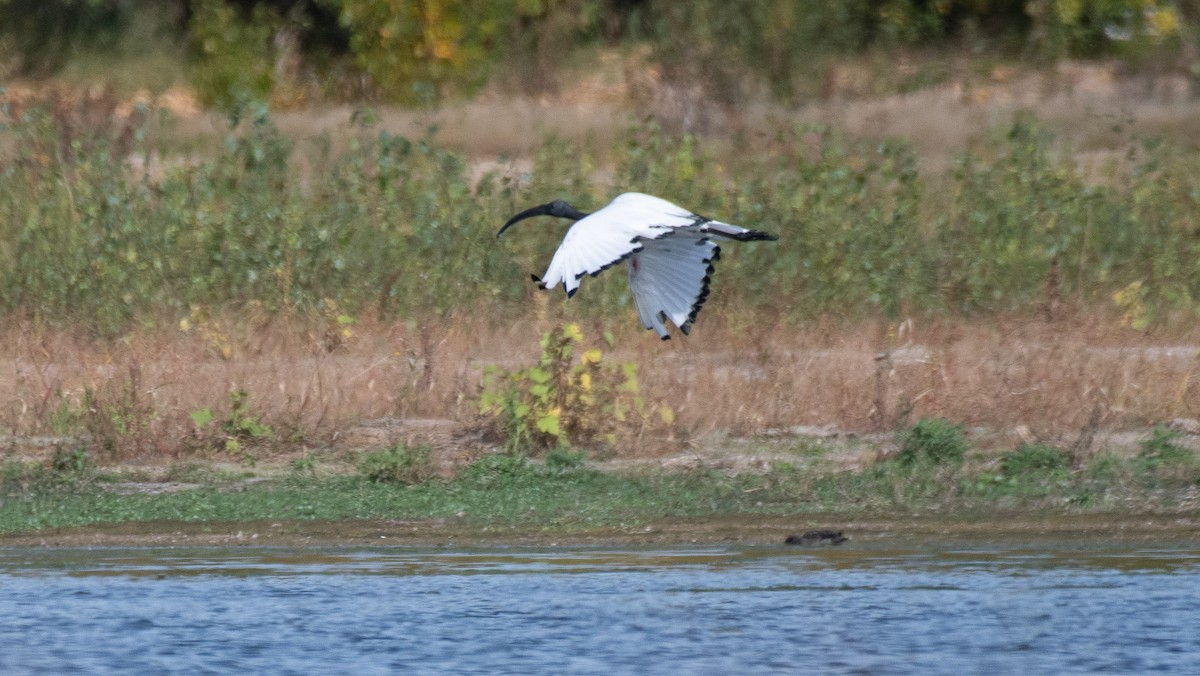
[419, 51]
[44, 34]
[234, 59]
[731, 45]
[415, 50]
[542, 33]
[1094, 27]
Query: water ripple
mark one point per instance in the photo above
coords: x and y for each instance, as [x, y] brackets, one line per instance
[591, 610]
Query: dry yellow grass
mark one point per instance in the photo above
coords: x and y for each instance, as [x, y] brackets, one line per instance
[1024, 377]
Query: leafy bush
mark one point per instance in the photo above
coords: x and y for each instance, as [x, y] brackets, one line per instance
[399, 464]
[415, 51]
[559, 402]
[564, 459]
[235, 64]
[119, 417]
[496, 469]
[1162, 448]
[240, 428]
[72, 463]
[934, 442]
[242, 424]
[1034, 459]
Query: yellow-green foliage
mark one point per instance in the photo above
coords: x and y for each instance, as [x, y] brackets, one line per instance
[563, 400]
[413, 49]
[417, 51]
[242, 427]
[234, 61]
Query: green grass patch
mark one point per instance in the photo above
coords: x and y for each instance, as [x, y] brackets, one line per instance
[1033, 459]
[564, 493]
[933, 442]
[399, 464]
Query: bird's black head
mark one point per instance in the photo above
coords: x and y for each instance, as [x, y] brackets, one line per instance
[557, 208]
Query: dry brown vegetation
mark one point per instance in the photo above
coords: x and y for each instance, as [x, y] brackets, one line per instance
[1023, 379]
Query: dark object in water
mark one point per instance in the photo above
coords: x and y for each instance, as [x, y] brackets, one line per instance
[817, 538]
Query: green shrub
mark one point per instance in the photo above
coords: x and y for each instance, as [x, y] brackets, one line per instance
[235, 61]
[304, 466]
[564, 459]
[496, 469]
[72, 462]
[119, 417]
[66, 468]
[560, 402]
[243, 427]
[243, 424]
[933, 441]
[1162, 448]
[1034, 459]
[399, 464]
[1106, 468]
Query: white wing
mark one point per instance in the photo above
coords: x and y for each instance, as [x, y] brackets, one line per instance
[668, 248]
[609, 236]
[670, 279]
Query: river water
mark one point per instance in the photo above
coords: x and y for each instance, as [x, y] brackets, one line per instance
[949, 608]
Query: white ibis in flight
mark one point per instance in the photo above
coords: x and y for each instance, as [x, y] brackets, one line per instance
[669, 252]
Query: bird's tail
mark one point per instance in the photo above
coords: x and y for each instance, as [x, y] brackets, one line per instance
[737, 232]
[755, 235]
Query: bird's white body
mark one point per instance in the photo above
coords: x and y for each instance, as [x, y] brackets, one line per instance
[669, 252]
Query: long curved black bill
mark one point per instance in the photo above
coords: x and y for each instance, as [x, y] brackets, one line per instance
[540, 210]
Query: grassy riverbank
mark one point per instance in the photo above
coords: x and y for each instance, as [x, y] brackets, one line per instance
[932, 479]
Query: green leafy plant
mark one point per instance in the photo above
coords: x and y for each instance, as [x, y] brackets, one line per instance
[564, 459]
[69, 463]
[304, 466]
[118, 416]
[562, 401]
[68, 468]
[398, 464]
[202, 417]
[415, 50]
[1163, 448]
[234, 47]
[242, 427]
[242, 423]
[496, 469]
[1034, 459]
[933, 441]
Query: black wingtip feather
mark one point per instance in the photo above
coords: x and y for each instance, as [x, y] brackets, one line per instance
[756, 236]
[705, 287]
